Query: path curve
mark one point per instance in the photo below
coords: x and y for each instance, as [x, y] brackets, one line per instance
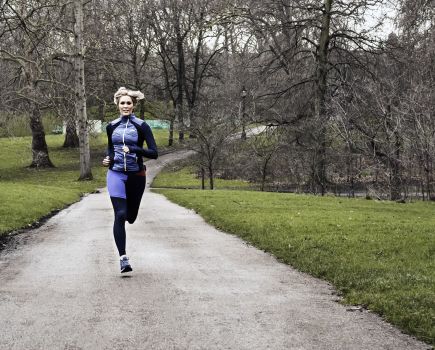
[193, 287]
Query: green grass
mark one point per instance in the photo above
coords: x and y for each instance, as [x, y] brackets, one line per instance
[187, 178]
[161, 137]
[28, 194]
[377, 254]
[17, 125]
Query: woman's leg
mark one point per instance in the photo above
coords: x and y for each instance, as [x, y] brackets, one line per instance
[135, 187]
[120, 209]
[116, 184]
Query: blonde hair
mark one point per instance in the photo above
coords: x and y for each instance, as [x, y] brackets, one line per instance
[122, 91]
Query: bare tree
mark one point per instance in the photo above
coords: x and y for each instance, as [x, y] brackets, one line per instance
[182, 30]
[124, 51]
[26, 33]
[213, 131]
[265, 146]
[80, 105]
[349, 107]
[303, 46]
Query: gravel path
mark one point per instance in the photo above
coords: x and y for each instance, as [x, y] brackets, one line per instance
[193, 287]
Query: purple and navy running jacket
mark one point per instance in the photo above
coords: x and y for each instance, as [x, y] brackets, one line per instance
[131, 132]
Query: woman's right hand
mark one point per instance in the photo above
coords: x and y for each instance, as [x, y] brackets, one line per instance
[106, 161]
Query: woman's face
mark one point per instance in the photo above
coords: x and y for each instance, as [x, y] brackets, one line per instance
[125, 105]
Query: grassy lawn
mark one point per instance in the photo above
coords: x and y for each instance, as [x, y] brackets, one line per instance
[29, 194]
[186, 178]
[377, 254]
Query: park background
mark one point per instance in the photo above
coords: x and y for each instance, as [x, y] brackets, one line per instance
[311, 121]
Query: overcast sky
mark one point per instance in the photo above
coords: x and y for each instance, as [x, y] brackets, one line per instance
[386, 13]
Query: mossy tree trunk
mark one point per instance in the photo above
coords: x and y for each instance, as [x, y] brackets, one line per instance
[40, 157]
[71, 137]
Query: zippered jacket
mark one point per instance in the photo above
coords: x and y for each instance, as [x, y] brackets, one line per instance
[131, 132]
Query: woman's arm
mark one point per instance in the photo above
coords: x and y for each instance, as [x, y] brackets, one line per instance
[151, 152]
[110, 152]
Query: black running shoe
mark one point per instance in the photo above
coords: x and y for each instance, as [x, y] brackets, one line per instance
[125, 264]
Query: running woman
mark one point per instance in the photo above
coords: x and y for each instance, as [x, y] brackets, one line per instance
[126, 174]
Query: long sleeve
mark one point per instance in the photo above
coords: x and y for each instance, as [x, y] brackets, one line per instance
[151, 151]
[110, 150]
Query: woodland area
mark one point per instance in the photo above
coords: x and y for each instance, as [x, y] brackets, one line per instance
[350, 109]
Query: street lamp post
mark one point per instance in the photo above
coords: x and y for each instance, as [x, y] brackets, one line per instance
[243, 95]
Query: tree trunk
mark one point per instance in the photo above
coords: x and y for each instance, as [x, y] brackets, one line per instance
[396, 185]
[142, 109]
[71, 137]
[180, 78]
[263, 181]
[242, 117]
[428, 169]
[179, 113]
[192, 122]
[40, 158]
[192, 96]
[350, 173]
[171, 133]
[264, 172]
[319, 106]
[210, 175]
[80, 106]
[101, 110]
[396, 181]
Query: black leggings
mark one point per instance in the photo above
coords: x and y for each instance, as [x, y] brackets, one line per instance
[127, 209]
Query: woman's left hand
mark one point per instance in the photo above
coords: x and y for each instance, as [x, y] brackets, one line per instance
[106, 161]
[126, 149]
